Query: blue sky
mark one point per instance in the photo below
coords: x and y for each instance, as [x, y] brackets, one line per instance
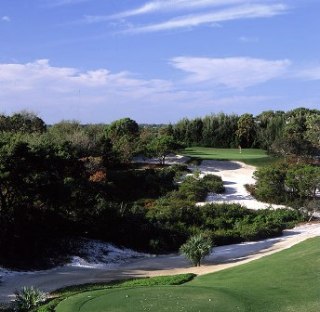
[157, 61]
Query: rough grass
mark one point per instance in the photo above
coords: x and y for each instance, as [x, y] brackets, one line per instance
[286, 281]
[254, 157]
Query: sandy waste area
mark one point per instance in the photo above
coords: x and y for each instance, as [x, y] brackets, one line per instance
[105, 262]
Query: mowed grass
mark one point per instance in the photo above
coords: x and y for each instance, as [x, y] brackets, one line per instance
[250, 156]
[283, 282]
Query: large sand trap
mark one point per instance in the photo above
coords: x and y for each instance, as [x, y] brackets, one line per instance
[235, 176]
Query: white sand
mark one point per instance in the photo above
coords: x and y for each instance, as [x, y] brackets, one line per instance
[235, 176]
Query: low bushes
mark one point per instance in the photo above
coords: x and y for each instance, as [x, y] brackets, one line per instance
[224, 223]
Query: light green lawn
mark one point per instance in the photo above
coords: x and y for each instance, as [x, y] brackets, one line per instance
[283, 282]
[250, 156]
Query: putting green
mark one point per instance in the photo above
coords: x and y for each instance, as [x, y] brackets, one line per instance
[250, 156]
[160, 299]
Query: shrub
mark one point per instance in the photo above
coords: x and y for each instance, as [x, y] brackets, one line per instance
[196, 248]
[28, 298]
[213, 183]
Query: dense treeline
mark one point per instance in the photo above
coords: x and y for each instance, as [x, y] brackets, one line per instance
[296, 132]
[64, 181]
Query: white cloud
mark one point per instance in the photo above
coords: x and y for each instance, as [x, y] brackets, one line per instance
[236, 72]
[159, 6]
[233, 13]
[6, 18]
[308, 73]
[63, 79]
[66, 92]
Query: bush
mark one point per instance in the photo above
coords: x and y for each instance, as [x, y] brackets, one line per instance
[213, 183]
[196, 248]
[28, 298]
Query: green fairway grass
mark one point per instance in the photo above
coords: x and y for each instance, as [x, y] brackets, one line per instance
[250, 156]
[283, 282]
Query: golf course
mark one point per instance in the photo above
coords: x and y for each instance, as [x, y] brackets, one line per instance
[286, 281]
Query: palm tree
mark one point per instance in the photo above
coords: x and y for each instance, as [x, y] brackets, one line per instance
[196, 248]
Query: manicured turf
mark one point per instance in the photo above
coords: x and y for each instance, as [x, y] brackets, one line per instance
[286, 281]
[255, 157]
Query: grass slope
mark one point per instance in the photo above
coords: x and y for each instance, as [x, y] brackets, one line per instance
[286, 281]
[254, 157]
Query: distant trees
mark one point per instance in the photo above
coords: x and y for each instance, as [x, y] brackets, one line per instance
[211, 131]
[24, 122]
[292, 133]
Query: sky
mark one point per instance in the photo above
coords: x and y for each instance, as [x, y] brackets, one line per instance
[157, 61]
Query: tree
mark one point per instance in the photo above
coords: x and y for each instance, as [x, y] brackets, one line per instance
[122, 127]
[123, 134]
[196, 248]
[270, 182]
[313, 130]
[161, 146]
[270, 126]
[303, 180]
[246, 130]
[23, 122]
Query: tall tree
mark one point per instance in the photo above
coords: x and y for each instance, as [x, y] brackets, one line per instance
[246, 130]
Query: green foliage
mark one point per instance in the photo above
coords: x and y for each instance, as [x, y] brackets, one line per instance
[213, 184]
[88, 140]
[286, 183]
[28, 298]
[270, 182]
[196, 248]
[38, 183]
[22, 122]
[123, 134]
[161, 146]
[281, 133]
[313, 130]
[70, 180]
[246, 131]
[211, 131]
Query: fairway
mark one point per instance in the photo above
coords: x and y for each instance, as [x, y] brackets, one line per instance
[250, 156]
[286, 281]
